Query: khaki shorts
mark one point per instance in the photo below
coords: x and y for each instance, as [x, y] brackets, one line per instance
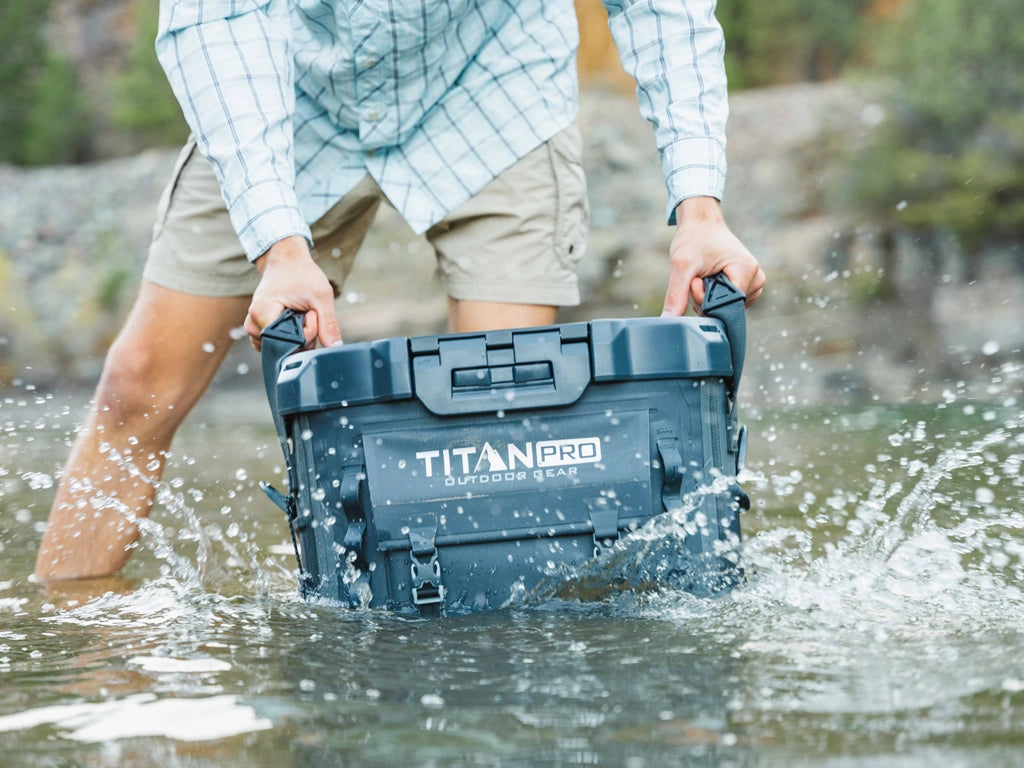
[517, 241]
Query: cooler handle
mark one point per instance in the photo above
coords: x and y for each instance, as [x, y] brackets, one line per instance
[723, 301]
[278, 340]
[532, 368]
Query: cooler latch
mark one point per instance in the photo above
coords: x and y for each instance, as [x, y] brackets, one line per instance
[672, 465]
[425, 569]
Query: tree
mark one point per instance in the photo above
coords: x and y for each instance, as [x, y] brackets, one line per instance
[145, 106]
[22, 51]
[949, 156]
[43, 114]
[57, 123]
[789, 40]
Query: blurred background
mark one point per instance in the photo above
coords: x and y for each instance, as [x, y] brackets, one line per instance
[876, 167]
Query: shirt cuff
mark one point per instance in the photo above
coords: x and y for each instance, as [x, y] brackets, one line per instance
[693, 167]
[266, 213]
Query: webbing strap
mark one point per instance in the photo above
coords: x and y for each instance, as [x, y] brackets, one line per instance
[278, 340]
[724, 301]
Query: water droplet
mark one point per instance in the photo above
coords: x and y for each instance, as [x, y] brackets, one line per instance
[38, 481]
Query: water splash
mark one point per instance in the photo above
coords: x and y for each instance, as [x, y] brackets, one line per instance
[930, 553]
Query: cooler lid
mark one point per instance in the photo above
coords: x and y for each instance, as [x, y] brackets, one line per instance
[503, 370]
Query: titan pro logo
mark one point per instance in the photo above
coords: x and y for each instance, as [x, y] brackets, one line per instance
[540, 459]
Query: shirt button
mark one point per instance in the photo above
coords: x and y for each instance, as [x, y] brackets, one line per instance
[373, 115]
[369, 61]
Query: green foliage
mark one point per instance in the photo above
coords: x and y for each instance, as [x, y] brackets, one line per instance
[43, 115]
[950, 154]
[47, 116]
[22, 48]
[57, 126]
[789, 40]
[144, 103]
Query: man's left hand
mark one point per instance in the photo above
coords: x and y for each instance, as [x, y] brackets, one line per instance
[704, 246]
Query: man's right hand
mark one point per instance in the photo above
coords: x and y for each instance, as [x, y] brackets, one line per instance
[291, 279]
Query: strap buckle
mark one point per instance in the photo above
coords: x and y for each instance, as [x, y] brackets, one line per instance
[672, 467]
[606, 527]
[424, 568]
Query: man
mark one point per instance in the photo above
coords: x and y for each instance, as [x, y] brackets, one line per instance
[459, 114]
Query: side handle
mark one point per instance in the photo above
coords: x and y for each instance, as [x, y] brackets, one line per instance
[278, 340]
[724, 302]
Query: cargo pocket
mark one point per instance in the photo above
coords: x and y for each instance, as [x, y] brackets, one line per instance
[165, 197]
[572, 210]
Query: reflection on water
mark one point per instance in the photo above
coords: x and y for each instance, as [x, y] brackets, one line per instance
[882, 621]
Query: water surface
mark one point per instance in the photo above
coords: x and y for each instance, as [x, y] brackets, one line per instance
[882, 622]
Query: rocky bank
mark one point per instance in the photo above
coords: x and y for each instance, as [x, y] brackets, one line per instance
[72, 241]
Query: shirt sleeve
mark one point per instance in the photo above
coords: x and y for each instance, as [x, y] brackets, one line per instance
[675, 50]
[229, 64]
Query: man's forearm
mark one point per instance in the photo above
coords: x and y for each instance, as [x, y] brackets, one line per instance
[675, 51]
[233, 75]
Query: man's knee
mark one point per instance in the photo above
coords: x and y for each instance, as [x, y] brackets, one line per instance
[139, 382]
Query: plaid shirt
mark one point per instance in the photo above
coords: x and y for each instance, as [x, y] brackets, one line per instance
[295, 101]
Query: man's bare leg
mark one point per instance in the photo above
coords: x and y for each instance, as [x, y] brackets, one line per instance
[159, 365]
[469, 316]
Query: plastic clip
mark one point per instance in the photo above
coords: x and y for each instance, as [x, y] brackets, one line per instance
[424, 568]
[672, 466]
[606, 528]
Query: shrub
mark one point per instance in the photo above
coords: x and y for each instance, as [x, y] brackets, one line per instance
[784, 41]
[948, 156]
[145, 106]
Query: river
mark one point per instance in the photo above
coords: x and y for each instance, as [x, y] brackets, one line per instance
[882, 621]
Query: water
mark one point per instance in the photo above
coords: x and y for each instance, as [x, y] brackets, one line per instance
[882, 623]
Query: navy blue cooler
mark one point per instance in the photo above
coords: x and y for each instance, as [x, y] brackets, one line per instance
[455, 473]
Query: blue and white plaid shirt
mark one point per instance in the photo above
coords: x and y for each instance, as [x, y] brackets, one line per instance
[295, 101]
